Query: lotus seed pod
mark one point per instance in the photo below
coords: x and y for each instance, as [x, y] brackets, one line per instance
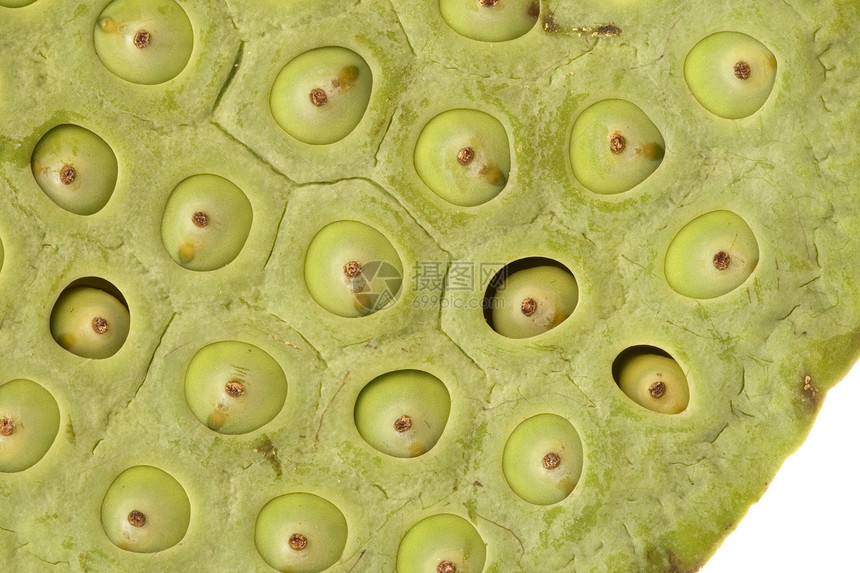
[463, 156]
[300, 533]
[731, 74]
[76, 168]
[534, 300]
[352, 270]
[29, 421]
[490, 20]
[442, 543]
[614, 146]
[711, 256]
[89, 322]
[403, 413]
[655, 382]
[320, 96]
[206, 222]
[542, 460]
[144, 41]
[145, 510]
[234, 387]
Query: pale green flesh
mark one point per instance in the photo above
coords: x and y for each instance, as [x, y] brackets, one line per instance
[788, 169]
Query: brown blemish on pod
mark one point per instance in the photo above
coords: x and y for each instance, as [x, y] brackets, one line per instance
[68, 175]
[142, 39]
[137, 518]
[100, 325]
[298, 542]
[7, 427]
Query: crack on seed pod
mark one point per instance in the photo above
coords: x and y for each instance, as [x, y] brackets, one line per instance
[402, 424]
[551, 461]
[657, 389]
[446, 567]
[100, 325]
[617, 143]
[298, 541]
[137, 518]
[7, 427]
[200, 219]
[352, 269]
[234, 388]
[488, 3]
[722, 260]
[68, 175]
[318, 97]
[142, 39]
[742, 70]
[465, 155]
[528, 306]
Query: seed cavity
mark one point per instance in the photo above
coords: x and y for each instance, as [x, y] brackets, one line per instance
[234, 389]
[403, 424]
[446, 566]
[142, 39]
[742, 70]
[551, 461]
[298, 542]
[465, 156]
[136, 518]
[722, 260]
[657, 389]
[528, 306]
[200, 219]
[617, 143]
[534, 9]
[7, 427]
[100, 325]
[68, 175]
[487, 4]
[352, 269]
[319, 97]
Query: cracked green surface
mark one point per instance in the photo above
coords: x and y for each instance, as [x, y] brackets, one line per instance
[758, 358]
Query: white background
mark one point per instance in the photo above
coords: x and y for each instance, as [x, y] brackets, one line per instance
[808, 521]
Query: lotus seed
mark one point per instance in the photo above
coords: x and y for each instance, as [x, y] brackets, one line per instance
[499, 22]
[90, 322]
[298, 541]
[742, 70]
[551, 461]
[441, 542]
[402, 424]
[68, 175]
[141, 39]
[30, 427]
[100, 325]
[654, 381]
[7, 427]
[137, 518]
[532, 301]
[446, 566]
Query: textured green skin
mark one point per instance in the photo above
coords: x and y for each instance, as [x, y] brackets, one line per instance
[657, 492]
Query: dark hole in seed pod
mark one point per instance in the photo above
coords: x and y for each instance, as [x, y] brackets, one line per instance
[142, 39]
[298, 542]
[100, 325]
[528, 306]
[68, 175]
[7, 427]
[551, 461]
[722, 260]
[136, 518]
[609, 30]
[657, 389]
[534, 9]
[352, 269]
[742, 70]
[200, 219]
[446, 567]
[318, 97]
[402, 424]
[488, 3]
[617, 143]
[465, 155]
[234, 388]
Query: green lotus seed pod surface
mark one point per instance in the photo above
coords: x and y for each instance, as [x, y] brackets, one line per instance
[234, 387]
[89, 322]
[490, 20]
[731, 74]
[300, 533]
[320, 96]
[614, 147]
[403, 413]
[76, 168]
[439, 543]
[655, 382]
[712, 255]
[463, 156]
[206, 222]
[533, 301]
[29, 420]
[145, 510]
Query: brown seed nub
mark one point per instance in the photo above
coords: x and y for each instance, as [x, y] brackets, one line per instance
[136, 518]
[352, 269]
[446, 567]
[142, 39]
[617, 143]
[7, 427]
[318, 97]
[298, 541]
[403, 423]
[234, 388]
[657, 389]
[488, 3]
[465, 156]
[551, 461]
[68, 175]
[722, 260]
[200, 219]
[742, 70]
[100, 325]
[528, 306]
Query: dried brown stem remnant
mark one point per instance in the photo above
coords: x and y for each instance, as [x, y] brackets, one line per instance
[551, 461]
[657, 389]
[298, 541]
[742, 70]
[100, 325]
[234, 388]
[318, 97]
[7, 427]
[403, 424]
[136, 518]
[529, 306]
[465, 156]
[722, 260]
[446, 567]
[142, 39]
[617, 143]
[200, 219]
[352, 269]
[68, 175]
